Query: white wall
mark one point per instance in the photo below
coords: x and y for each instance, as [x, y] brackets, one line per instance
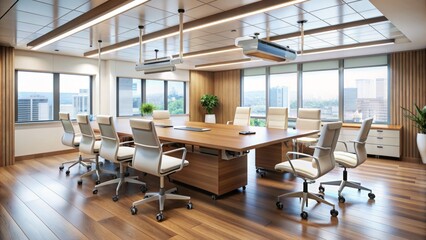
[34, 138]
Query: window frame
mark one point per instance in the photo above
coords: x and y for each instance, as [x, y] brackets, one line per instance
[143, 94]
[56, 94]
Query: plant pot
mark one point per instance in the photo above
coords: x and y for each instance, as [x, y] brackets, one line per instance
[210, 118]
[421, 145]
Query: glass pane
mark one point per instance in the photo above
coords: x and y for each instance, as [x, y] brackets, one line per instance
[283, 92]
[155, 93]
[254, 92]
[175, 97]
[129, 96]
[366, 94]
[321, 90]
[35, 96]
[74, 94]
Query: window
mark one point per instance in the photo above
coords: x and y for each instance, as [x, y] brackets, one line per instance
[321, 90]
[41, 96]
[131, 93]
[129, 96]
[74, 94]
[254, 91]
[365, 94]
[35, 96]
[283, 92]
[155, 93]
[176, 97]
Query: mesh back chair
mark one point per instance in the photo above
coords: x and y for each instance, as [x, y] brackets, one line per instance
[242, 117]
[112, 150]
[71, 139]
[352, 160]
[89, 145]
[150, 158]
[277, 117]
[310, 168]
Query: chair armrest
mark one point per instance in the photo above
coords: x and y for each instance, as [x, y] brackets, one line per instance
[183, 155]
[301, 154]
[354, 141]
[323, 148]
[166, 143]
[126, 142]
[344, 143]
[229, 122]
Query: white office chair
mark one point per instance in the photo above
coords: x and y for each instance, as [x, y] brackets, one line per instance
[89, 145]
[277, 117]
[242, 117]
[71, 139]
[112, 150]
[150, 158]
[160, 114]
[307, 119]
[352, 160]
[311, 168]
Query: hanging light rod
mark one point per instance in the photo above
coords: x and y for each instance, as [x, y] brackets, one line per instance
[219, 18]
[98, 14]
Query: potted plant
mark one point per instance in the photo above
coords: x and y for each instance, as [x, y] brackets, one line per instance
[419, 119]
[147, 109]
[209, 102]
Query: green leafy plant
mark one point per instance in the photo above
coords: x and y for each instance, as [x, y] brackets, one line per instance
[418, 117]
[147, 109]
[209, 102]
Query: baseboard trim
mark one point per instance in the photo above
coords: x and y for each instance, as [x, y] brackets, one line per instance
[48, 154]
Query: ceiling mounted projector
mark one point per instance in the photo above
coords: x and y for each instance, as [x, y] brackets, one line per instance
[255, 47]
[158, 65]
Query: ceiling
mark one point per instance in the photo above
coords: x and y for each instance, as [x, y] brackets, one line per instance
[27, 20]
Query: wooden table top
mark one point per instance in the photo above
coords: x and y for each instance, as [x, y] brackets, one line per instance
[220, 136]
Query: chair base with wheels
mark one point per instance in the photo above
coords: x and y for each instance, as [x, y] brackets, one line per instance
[87, 163]
[98, 170]
[161, 196]
[120, 180]
[305, 196]
[345, 183]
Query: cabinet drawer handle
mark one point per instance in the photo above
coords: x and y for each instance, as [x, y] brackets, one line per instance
[379, 137]
[379, 130]
[379, 146]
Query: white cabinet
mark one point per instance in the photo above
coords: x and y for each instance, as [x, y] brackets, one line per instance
[383, 140]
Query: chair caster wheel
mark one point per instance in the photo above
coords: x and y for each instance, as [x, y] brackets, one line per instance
[244, 188]
[133, 210]
[342, 199]
[321, 189]
[214, 196]
[189, 206]
[61, 168]
[160, 217]
[98, 182]
[304, 215]
[334, 212]
[371, 195]
[89, 168]
[67, 172]
[115, 198]
[279, 205]
[114, 176]
[95, 191]
[126, 174]
[80, 182]
[257, 170]
[144, 189]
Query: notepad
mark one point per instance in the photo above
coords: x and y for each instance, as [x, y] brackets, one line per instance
[195, 129]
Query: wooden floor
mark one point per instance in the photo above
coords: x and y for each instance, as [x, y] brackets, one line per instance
[37, 201]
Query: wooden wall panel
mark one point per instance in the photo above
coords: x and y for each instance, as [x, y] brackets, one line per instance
[408, 87]
[7, 106]
[227, 88]
[200, 83]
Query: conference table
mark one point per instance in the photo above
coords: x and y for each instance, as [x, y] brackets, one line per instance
[217, 153]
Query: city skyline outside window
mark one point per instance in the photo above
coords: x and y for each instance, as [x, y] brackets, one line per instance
[283, 92]
[155, 93]
[320, 89]
[74, 95]
[254, 93]
[35, 96]
[365, 94]
[175, 97]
